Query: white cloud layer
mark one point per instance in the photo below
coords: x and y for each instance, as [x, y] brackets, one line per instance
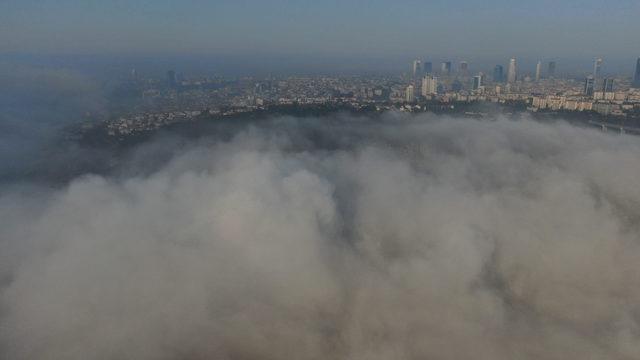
[424, 239]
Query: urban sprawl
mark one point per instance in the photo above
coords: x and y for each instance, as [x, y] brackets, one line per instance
[176, 99]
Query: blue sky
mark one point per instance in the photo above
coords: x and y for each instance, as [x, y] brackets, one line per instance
[333, 28]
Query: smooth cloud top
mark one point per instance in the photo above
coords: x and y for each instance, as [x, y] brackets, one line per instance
[408, 237]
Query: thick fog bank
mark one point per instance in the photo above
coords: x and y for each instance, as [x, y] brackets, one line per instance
[403, 238]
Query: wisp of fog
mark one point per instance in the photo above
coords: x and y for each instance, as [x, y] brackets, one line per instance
[401, 237]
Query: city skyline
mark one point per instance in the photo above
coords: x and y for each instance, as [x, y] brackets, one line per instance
[233, 66]
[534, 71]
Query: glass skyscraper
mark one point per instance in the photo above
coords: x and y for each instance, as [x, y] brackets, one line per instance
[589, 82]
[551, 71]
[446, 68]
[498, 73]
[636, 77]
[428, 67]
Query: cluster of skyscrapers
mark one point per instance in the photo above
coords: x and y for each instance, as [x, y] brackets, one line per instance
[512, 72]
[424, 76]
[604, 86]
[420, 69]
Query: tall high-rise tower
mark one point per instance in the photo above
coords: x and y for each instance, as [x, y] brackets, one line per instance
[511, 72]
[607, 85]
[538, 70]
[478, 81]
[463, 68]
[588, 86]
[597, 68]
[636, 76]
[551, 71]
[427, 67]
[417, 69]
[446, 68]
[498, 73]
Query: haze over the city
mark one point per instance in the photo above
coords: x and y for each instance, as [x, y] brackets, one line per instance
[326, 35]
